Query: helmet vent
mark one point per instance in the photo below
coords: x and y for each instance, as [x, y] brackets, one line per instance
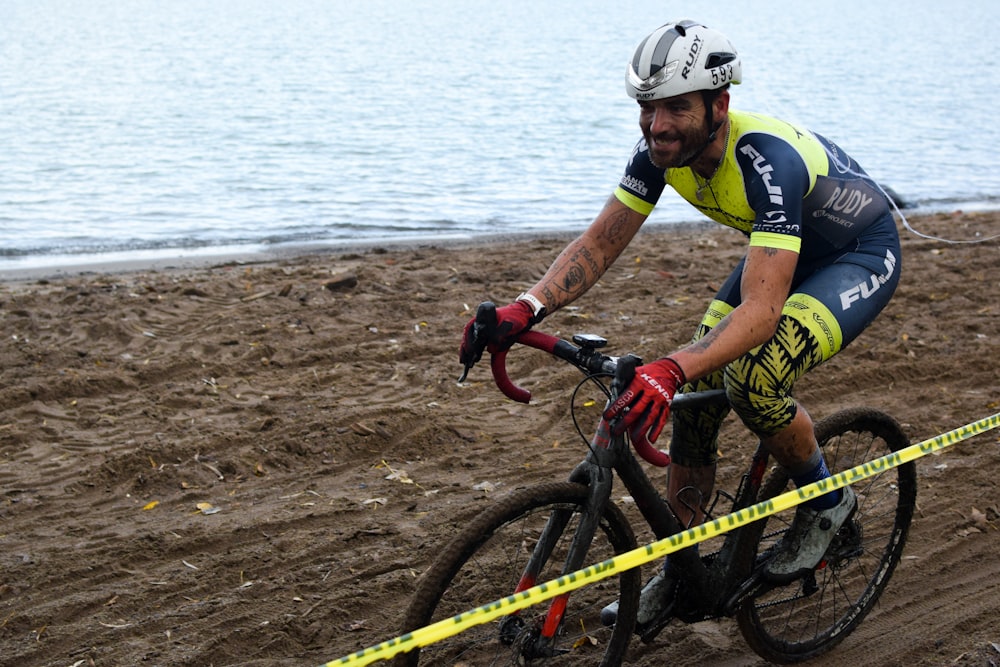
[719, 58]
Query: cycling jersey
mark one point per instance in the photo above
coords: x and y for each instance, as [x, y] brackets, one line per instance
[783, 186]
[787, 188]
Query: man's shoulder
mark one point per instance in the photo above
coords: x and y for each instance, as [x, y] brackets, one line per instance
[642, 183]
[747, 124]
[761, 137]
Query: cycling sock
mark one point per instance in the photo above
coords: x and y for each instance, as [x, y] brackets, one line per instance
[813, 471]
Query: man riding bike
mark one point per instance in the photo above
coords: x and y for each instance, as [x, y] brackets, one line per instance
[822, 261]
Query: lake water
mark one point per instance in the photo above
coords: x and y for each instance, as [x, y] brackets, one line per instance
[134, 128]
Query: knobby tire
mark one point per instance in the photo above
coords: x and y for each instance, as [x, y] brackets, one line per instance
[785, 625]
[484, 562]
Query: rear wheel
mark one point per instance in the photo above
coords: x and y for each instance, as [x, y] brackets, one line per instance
[484, 563]
[810, 616]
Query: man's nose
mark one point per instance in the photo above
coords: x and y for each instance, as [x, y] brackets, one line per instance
[662, 121]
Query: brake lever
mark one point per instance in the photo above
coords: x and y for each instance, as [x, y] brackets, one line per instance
[482, 328]
[623, 376]
[624, 372]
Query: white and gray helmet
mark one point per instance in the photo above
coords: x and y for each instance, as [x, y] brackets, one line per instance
[679, 58]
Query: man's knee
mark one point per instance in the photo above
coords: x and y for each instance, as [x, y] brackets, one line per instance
[763, 413]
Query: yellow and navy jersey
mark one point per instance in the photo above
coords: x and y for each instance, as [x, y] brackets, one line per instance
[783, 186]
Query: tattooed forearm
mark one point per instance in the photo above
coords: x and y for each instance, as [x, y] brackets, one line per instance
[585, 254]
[705, 341]
[569, 279]
[572, 274]
[549, 297]
[616, 228]
[582, 263]
[574, 277]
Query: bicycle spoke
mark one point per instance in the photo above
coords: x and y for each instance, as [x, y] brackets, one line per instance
[804, 619]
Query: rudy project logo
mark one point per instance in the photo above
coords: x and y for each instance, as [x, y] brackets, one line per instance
[836, 219]
[847, 201]
[692, 56]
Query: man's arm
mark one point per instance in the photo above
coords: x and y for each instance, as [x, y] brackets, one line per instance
[584, 261]
[766, 281]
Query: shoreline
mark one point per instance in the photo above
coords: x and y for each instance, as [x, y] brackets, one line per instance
[259, 254]
[255, 255]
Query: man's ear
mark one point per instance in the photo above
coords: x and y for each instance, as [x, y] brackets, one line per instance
[721, 104]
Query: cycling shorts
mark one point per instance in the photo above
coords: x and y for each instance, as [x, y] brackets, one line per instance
[832, 301]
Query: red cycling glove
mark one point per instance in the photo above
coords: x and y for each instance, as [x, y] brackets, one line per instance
[645, 403]
[512, 321]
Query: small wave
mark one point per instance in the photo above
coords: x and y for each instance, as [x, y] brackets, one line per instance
[80, 246]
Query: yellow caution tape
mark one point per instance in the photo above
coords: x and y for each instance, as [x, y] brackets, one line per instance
[570, 582]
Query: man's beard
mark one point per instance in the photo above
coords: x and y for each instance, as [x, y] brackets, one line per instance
[692, 145]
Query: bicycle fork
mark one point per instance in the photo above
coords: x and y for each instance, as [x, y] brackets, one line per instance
[598, 479]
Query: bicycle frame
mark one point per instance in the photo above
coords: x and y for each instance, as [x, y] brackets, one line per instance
[561, 526]
[714, 589]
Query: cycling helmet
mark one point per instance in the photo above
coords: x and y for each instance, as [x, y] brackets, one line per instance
[680, 58]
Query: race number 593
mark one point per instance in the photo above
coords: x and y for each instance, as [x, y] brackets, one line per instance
[721, 75]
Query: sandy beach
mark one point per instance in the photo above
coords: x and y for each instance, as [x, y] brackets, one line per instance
[200, 463]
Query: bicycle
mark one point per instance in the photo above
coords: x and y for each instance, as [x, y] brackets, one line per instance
[541, 532]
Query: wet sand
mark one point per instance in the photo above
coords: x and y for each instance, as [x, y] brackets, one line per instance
[196, 460]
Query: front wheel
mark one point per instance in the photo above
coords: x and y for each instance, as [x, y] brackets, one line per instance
[810, 616]
[485, 561]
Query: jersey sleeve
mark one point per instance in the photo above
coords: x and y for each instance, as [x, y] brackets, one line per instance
[776, 179]
[642, 183]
